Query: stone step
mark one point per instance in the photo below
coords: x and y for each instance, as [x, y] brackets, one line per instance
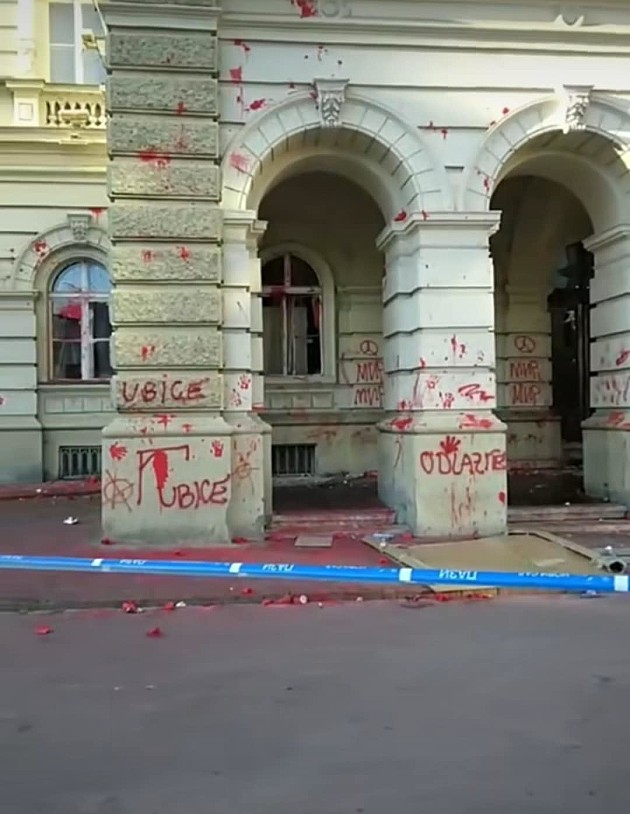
[574, 512]
[330, 520]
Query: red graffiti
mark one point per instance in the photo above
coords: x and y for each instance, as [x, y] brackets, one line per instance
[368, 347]
[244, 381]
[622, 358]
[239, 162]
[154, 157]
[474, 392]
[163, 391]
[240, 44]
[449, 460]
[184, 253]
[217, 448]
[368, 396]
[116, 491]
[257, 104]
[236, 75]
[187, 428]
[525, 395]
[187, 495]
[527, 370]
[401, 217]
[502, 497]
[243, 469]
[118, 452]
[473, 422]
[448, 399]
[402, 424]
[525, 344]
[41, 247]
[147, 352]
[307, 8]
[148, 256]
[164, 419]
[369, 372]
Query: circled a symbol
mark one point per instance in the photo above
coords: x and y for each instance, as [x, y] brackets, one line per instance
[524, 344]
[116, 491]
[368, 347]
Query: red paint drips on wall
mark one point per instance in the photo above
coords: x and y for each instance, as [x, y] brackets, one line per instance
[236, 75]
[159, 462]
[241, 44]
[307, 8]
[622, 358]
[502, 498]
[257, 104]
[239, 162]
[181, 108]
[184, 253]
[152, 156]
[401, 216]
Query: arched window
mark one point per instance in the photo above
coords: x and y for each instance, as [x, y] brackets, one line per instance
[79, 319]
[292, 317]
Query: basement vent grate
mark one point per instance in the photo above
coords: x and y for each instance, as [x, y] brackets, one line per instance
[293, 459]
[79, 462]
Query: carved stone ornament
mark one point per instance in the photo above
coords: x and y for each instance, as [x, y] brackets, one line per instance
[80, 225]
[577, 103]
[331, 94]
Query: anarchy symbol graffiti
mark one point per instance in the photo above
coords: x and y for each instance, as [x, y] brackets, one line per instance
[116, 491]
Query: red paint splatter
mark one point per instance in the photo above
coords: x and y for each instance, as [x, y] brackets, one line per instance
[502, 497]
[239, 162]
[107, 541]
[505, 111]
[118, 452]
[241, 44]
[97, 211]
[622, 358]
[217, 448]
[181, 108]
[152, 156]
[307, 8]
[236, 75]
[147, 351]
[240, 540]
[148, 256]
[473, 422]
[170, 606]
[187, 428]
[43, 630]
[291, 85]
[402, 424]
[41, 247]
[444, 133]
[160, 468]
[247, 592]
[321, 50]
[2, 400]
[129, 606]
[184, 253]
[154, 633]
[425, 214]
[401, 216]
[257, 104]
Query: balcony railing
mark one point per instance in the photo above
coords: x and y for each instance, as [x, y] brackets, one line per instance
[62, 107]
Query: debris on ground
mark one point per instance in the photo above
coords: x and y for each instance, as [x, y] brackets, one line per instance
[43, 630]
[129, 606]
[154, 633]
[71, 521]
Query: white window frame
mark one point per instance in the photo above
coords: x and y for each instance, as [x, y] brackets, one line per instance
[83, 297]
[328, 321]
[78, 45]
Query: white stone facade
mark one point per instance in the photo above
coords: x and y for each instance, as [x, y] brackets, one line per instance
[432, 163]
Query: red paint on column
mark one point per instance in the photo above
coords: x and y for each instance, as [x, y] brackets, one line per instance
[401, 216]
[257, 104]
[236, 74]
[118, 452]
[307, 8]
[160, 468]
[502, 498]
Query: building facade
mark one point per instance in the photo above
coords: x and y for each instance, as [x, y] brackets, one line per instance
[313, 237]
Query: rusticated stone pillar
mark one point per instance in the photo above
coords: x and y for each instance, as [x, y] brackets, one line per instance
[442, 461]
[166, 455]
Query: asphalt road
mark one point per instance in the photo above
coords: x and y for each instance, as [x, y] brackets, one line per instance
[518, 705]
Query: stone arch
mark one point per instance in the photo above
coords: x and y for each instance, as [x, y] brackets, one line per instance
[79, 235]
[601, 163]
[372, 146]
[327, 282]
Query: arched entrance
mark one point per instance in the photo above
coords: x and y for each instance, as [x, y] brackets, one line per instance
[325, 191]
[558, 172]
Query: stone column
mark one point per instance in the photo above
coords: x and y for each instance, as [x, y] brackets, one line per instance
[524, 376]
[166, 455]
[241, 275]
[442, 461]
[607, 431]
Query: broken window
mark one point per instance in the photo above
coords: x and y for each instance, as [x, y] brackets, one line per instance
[80, 326]
[292, 318]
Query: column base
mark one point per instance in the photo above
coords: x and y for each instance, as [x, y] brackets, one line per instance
[22, 450]
[445, 475]
[247, 510]
[606, 443]
[166, 480]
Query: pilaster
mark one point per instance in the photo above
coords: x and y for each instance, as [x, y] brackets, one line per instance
[442, 450]
[166, 456]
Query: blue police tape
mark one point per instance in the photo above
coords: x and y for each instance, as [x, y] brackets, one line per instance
[333, 573]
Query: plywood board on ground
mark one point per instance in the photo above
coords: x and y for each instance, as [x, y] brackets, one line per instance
[520, 552]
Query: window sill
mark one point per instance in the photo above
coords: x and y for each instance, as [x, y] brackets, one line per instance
[299, 381]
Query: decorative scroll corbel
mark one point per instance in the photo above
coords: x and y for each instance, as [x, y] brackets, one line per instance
[330, 95]
[576, 104]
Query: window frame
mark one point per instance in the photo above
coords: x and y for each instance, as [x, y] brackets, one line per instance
[84, 297]
[328, 317]
[77, 45]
